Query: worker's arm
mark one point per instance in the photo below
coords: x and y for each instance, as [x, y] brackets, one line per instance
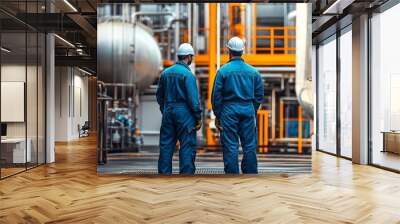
[258, 92]
[216, 97]
[193, 95]
[160, 94]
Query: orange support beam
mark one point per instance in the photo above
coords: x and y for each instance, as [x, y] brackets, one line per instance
[263, 135]
[254, 24]
[212, 62]
[273, 116]
[260, 131]
[300, 131]
[253, 59]
[286, 40]
[266, 127]
[272, 41]
[167, 63]
[212, 49]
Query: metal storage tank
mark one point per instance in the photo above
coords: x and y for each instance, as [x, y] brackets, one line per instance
[127, 53]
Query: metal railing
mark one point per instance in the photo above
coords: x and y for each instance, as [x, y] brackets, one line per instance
[266, 40]
[274, 40]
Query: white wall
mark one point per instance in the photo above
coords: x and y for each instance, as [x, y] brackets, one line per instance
[16, 73]
[33, 126]
[12, 73]
[71, 102]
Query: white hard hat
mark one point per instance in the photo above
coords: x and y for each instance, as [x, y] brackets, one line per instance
[185, 49]
[235, 44]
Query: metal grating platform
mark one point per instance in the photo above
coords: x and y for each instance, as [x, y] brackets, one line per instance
[205, 171]
[145, 163]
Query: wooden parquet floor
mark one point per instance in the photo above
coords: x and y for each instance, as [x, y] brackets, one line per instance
[70, 191]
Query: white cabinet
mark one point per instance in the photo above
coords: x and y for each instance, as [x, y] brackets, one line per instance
[16, 147]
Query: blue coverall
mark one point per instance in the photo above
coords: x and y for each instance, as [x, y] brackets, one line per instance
[178, 98]
[237, 94]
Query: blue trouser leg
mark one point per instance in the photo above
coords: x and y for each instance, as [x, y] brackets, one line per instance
[187, 153]
[167, 143]
[248, 139]
[230, 141]
[187, 138]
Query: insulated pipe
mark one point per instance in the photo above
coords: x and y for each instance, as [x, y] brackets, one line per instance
[177, 30]
[248, 27]
[218, 35]
[190, 19]
[303, 58]
[169, 24]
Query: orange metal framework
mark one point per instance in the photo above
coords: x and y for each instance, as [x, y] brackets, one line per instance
[300, 130]
[299, 125]
[276, 56]
[272, 37]
[268, 55]
[263, 130]
[236, 19]
[212, 63]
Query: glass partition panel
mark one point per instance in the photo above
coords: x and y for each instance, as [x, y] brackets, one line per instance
[15, 150]
[22, 92]
[327, 96]
[41, 78]
[385, 89]
[32, 97]
[346, 93]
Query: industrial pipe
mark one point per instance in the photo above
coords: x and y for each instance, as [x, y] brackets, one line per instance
[303, 58]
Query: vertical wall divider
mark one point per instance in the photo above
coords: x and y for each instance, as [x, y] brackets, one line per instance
[26, 86]
[1, 65]
[34, 137]
[317, 97]
[338, 98]
[37, 98]
[37, 90]
[369, 95]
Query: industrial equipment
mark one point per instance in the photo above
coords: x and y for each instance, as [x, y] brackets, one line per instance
[129, 60]
[136, 41]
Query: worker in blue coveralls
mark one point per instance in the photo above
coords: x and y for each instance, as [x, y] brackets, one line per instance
[237, 94]
[178, 98]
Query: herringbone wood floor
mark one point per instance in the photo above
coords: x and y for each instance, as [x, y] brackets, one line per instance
[70, 191]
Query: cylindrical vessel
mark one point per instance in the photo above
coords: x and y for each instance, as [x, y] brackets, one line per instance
[127, 53]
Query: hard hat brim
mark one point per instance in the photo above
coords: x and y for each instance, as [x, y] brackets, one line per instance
[185, 54]
[234, 49]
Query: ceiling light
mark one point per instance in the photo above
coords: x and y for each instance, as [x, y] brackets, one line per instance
[337, 7]
[292, 15]
[70, 5]
[65, 41]
[5, 50]
[84, 71]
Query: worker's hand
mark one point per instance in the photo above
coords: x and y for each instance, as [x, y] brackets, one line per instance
[218, 124]
[198, 125]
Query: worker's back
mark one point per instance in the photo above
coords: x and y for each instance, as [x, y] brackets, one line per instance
[239, 79]
[237, 82]
[177, 87]
[173, 81]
